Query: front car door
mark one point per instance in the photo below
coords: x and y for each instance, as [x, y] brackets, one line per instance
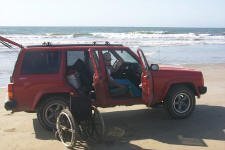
[146, 79]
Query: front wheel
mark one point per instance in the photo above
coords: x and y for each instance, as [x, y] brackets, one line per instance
[180, 102]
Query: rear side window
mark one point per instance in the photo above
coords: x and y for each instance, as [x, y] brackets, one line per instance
[73, 56]
[41, 62]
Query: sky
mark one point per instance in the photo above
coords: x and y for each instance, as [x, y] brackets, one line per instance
[147, 13]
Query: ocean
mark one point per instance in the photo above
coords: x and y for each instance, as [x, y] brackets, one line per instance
[163, 45]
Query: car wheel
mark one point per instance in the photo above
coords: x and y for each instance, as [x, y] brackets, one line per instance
[49, 110]
[180, 102]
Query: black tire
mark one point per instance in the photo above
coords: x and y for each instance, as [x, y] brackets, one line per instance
[54, 105]
[67, 128]
[180, 102]
[93, 129]
[98, 124]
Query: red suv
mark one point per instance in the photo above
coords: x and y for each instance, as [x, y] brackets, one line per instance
[44, 80]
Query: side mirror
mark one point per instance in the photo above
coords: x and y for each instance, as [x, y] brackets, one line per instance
[154, 67]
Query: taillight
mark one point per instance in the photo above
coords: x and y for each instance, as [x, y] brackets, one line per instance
[10, 91]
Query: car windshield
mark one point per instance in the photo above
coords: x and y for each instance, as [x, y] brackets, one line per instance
[126, 56]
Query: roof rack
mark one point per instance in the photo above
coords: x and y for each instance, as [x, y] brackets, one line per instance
[49, 44]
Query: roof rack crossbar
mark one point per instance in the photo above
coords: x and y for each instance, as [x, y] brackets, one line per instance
[60, 45]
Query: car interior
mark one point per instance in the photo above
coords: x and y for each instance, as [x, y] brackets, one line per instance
[125, 65]
[79, 72]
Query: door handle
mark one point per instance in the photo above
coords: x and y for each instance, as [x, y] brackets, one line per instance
[147, 76]
[22, 78]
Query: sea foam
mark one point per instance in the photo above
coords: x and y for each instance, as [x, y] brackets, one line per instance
[141, 38]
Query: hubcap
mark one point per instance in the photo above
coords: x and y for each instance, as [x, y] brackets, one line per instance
[52, 111]
[181, 103]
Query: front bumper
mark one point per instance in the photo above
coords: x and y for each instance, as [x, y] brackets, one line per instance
[10, 105]
[203, 90]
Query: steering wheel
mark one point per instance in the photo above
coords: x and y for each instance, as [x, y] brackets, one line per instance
[116, 65]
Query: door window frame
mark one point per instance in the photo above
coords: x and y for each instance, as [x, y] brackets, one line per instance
[144, 62]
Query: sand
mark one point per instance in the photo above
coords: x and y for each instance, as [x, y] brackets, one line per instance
[134, 127]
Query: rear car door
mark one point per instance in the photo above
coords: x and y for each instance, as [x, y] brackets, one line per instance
[99, 82]
[146, 79]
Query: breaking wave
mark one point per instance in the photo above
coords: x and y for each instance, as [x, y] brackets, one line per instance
[138, 38]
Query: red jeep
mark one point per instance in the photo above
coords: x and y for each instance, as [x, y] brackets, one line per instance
[40, 80]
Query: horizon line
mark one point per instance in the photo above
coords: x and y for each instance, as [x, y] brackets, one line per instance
[105, 26]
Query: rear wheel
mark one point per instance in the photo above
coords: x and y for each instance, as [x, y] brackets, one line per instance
[49, 110]
[180, 102]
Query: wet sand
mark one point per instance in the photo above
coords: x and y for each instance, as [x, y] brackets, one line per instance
[135, 127]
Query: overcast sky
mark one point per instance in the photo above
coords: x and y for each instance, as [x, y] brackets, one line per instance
[153, 13]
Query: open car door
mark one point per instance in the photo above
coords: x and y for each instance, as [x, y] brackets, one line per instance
[146, 79]
[8, 43]
[98, 80]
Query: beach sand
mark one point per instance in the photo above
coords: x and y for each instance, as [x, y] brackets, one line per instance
[134, 127]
